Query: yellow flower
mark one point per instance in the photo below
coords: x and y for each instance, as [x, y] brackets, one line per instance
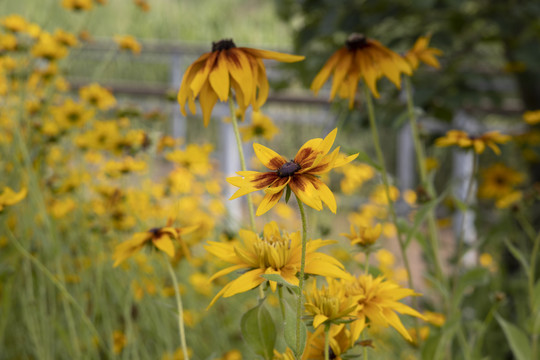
[360, 58]
[435, 318]
[177, 355]
[9, 197]
[125, 166]
[14, 23]
[421, 52]
[532, 117]
[97, 96]
[71, 114]
[119, 341]
[8, 42]
[354, 177]
[509, 200]
[49, 48]
[498, 181]
[65, 38]
[378, 196]
[329, 304]
[340, 342]
[478, 144]
[365, 237]
[486, 260]
[143, 5]
[300, 174]
[378, 302]
[213, 75]
[273, 253]
[261, 126]
[161, 238]
[60, 208]
[195, 158]
[77, 5]
[128, 42]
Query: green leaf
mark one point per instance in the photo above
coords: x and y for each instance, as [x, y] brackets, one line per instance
[536, 302]
[516, 338]
[277, 278]
[287, 194]
[471, 279]
[290, 331]
[259, 331]
[517, 254]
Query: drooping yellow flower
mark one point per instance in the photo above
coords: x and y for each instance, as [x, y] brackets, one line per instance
[360, 58]
[77, 5]
[329, 304]
[97, 96]
[365, 236]
[161, 238]
[128, 42]
[227, 67]
[477, 143]
[49, 48]
[300, 174]
[532, 117]
[65, 38]
[273, 253]
[378, 302]
[421, 52]
[261, 126]
[498, 181]
[9, 197]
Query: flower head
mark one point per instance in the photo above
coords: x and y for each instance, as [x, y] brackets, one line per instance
[97, 96]
[128, 42]
[261, 126]
[360, 58]
[273, 253]
[421, 52]
[477, 143]
[48, 47]
[379, 302]
[77, 5]
[214, 74]
[160, 238]
[365, 236]
[531, 117]
[9, 197]
[499, 181]
[300, 174]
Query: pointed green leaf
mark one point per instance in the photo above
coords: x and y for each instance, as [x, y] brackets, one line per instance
[471, 279]
[517, 339]
[287, 194]
[277, 278]
[517, 254]
[259, 331]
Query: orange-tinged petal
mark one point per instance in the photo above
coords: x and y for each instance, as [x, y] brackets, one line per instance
[325, 193]
[268, 202]
[207, 99]
[271, 159]
[341, 71]
[219, 78]
[201, 78]
[305, 192]
[326, 70]
[240, 70]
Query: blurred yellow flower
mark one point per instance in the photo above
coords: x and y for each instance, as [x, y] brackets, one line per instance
[65, 38]
[9, 197]
[498, 181]
[509, 199]
[301, 175]
[486, 260]
[119, 341]
[59, 208]
[231, 355]
[177, 355]
[532, 117]
[435, 318]
[125, 166]
[365, 236]
[360, 58]
[128, 42]
[14, 23]
[8, 42]
[378, 195]
[355, 175]
[49, 48]
[227, 67]
[143, 5]
[421, 52]
[261, 126]
[96, 95]
[273, 253]
[71, 114]
[477, 143]
[77, 5]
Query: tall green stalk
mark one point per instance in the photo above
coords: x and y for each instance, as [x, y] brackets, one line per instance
[421, 160]
[327, 342]
[242, 158]
[299, 302]
[180, 308]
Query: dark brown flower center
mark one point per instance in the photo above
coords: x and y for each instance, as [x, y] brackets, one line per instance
[288, 169]
[224, 44]
[356, 41]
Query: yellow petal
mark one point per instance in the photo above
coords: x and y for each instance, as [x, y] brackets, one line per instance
[219, 78]
[323, 75]
[273, 55]
[271, 159]
[268, 202]
[165, 244]
[245, 282]
[240, 70]
[341, 71]
[208, 99]
[319, 319]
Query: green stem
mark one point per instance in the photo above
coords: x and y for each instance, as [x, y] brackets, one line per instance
[281, 304]
[421, 160]
[366, 263]
[327, 342]
[301, 275]
[364, 347]
[384, 174]
[180, 309]
[242, 158]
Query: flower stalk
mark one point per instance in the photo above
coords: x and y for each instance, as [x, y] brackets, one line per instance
[327, 342]
[299, 303]
[180, 310]
[242, 159]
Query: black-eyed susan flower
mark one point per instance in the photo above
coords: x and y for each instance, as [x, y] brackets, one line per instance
[300, 174]
[96, 95]
[271, 253]
[212, 76]
[329, 304]
[498, 181]
[77, 5]
[261, 126]
[48, 47]
[532, 117]
[9, 197]
[477, 143]
[65, 38]
[128, 42]
[421, 52]
[160, 238]
[71, 114]
[14, 23]
[378, 304]
[365, 236]
[360, 58]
